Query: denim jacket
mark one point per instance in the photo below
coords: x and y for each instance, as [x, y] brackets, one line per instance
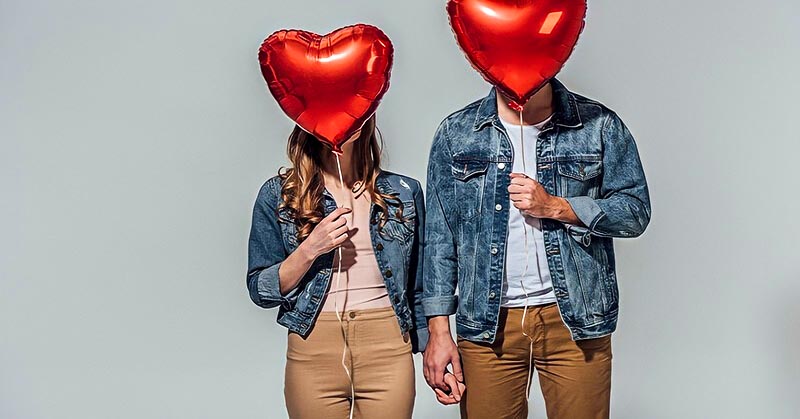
[398, 249]
[585, 154]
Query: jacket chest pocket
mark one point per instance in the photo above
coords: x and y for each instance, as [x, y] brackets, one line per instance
[470, 181]
[580, 177]
[399, 229]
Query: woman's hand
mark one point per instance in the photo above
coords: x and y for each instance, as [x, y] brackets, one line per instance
[326, 236]
[331, 232]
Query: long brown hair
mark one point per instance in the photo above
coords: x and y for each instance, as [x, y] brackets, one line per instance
[303, 183]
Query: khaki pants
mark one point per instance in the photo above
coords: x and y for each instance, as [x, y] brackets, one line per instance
[379, 359]
[575, 376]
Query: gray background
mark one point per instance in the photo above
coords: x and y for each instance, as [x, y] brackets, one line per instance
[135, 135]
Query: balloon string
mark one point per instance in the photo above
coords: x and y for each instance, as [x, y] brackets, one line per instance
[527, 258]
[336, 301]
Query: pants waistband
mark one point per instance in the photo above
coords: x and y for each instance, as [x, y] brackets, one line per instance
[353, 315]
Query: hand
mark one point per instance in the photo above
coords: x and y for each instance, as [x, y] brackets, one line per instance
[440, 352]
[530, 197]
[331, 232]
[454, 396]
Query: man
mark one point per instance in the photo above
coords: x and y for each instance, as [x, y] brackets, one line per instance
[520, 218]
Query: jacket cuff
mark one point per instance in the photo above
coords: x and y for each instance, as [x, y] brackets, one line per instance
[586, 209]
[269, 288]
[439, 306]
[419, 340]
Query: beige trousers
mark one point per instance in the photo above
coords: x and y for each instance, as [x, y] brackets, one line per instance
[575, 377]
[379, 358]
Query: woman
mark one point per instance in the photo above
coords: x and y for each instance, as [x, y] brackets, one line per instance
[302, 221]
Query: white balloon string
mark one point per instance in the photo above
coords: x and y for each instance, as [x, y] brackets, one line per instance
[336, 301]
[525, 271]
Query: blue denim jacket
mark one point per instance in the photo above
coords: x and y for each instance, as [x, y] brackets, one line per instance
[585, 154]
[398, 249]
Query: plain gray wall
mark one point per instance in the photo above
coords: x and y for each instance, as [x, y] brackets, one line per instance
[135, 135]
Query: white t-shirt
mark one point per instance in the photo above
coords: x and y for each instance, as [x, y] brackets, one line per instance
[531, 284]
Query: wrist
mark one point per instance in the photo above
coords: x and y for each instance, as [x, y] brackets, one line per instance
[439, 326]
[306, 252]
[558, 208]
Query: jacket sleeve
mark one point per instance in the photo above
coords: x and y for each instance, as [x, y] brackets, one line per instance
[266, 251]
[414, 292]
[440, 270]
[624, 207]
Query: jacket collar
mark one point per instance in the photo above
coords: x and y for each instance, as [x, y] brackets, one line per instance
[383, 185]
[565, 107]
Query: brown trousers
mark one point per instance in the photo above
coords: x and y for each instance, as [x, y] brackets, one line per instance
[379, 359]
[575, 377]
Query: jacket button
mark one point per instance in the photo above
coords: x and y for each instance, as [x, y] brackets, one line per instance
[491, 295]
[486, 335]
[494, 250]
[498, 207]
[388, 273]
[501, 166]
[379, 246]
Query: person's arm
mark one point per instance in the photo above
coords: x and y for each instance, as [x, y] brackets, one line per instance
[623, 209]
[273, 275]
[440, 270]
[420, 334]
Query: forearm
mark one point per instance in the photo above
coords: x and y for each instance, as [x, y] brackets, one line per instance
[294, 268]
[560, 209]
[439, 326]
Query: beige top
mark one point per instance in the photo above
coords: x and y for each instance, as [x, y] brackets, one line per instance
[361, 283]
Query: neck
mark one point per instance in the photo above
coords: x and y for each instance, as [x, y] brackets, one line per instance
[538, 108]
[330, 169]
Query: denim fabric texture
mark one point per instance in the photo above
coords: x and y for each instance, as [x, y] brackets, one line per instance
[584, 154]
[398, 247]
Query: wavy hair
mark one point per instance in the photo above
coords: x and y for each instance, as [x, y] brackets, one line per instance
[303, 183]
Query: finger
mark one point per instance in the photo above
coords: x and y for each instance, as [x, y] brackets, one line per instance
[517, 175]
[438, 377]
[340, 239]
[456, 361]
[444, 398]
[338, 222]
[523, 182]
[338, 212]
[451, 381]
[426, 373]
[514, 188]
[522, 204]
[338, 231]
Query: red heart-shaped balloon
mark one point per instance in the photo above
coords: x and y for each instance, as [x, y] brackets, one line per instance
[329, 85]
[517, 45]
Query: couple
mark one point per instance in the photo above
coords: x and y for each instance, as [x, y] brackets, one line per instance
[520, 217]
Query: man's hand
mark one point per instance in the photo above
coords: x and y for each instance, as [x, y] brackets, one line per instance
[530, 197]
[440, 352]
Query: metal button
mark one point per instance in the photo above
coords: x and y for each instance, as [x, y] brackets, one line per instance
[494, 250]
[388, 273]
[352, 314]
[486, 335]
[501, 166]
[498, 207]
[491, 295]
[379, 246]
